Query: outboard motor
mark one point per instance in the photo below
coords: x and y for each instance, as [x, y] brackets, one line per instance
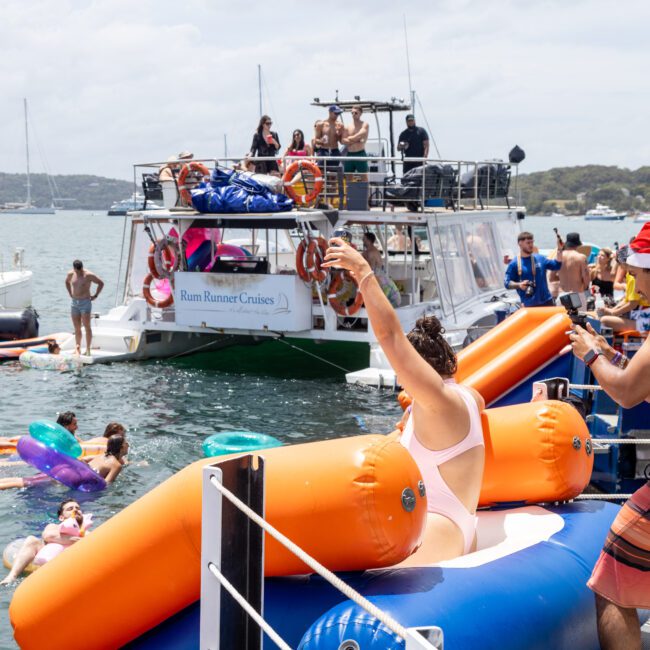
[18, 324]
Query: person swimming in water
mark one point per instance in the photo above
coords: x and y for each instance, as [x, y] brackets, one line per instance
[52, 534]
[443, 431]
[110, 464]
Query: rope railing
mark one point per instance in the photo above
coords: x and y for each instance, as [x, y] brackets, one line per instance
[312, 563]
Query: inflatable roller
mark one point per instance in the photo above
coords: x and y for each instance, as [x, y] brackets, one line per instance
[500, 338]
[340, 500]
[510, 352]
[535, 452]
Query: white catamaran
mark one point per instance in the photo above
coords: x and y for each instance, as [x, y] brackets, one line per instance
[250, 284]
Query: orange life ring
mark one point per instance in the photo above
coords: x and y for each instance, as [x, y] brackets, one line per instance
[303, 274]
[315, 257]
[290, 172]
[163, 258]
[184, 191]
[146, 292]
[335, 302]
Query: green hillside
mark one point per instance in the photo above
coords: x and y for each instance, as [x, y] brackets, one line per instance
[574, 190]
[86, 192]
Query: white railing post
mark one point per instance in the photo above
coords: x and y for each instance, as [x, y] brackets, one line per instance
[211, 516]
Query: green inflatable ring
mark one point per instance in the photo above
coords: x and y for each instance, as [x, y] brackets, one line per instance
[236, 442]
[53, 435]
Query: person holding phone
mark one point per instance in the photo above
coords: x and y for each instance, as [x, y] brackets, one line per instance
[265, 143]
[413, 142]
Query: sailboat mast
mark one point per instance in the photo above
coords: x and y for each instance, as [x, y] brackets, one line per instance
[29, 185]
[259, 86]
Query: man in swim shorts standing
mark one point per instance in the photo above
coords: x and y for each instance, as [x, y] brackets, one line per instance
[78, 282]
[354, 137]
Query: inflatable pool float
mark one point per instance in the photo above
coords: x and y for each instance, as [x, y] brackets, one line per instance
[341, 501]
[53, 435]
[236, 442]
[37, 360]
[10, 350]
[9, 555]
[65, 469]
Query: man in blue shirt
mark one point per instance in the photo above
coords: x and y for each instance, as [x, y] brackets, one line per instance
[527, 273]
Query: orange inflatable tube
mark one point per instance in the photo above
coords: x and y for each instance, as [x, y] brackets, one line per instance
[510, 352]
[500, 338]
[535, 452]
[340, 500]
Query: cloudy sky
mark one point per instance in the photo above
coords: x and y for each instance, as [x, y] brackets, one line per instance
[113, 82]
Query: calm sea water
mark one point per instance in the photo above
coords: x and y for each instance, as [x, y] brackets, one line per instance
[168, 408]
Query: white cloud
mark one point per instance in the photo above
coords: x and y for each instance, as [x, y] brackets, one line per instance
[113, 82]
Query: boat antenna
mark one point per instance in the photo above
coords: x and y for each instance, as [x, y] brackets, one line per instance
[29, 186]
[424, 115]
[225, 147]
[408, 66]
[259, 86]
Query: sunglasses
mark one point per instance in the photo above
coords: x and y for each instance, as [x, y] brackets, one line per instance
[269, 123]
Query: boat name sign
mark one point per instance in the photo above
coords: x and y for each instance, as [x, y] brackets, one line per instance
[242, 301]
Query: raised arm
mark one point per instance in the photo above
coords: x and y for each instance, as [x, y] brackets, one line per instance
[419, 379]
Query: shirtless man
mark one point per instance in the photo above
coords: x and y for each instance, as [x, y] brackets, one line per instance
[328, 134]
[78, 283]
[51, 535]
[574, 275]
[354, 137]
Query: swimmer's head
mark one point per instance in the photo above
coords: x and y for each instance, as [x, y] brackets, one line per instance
[427, 338]
[114, 429]
[70, 508]
[117, 446]
[53, 347]
[68, 420]
[77, 265]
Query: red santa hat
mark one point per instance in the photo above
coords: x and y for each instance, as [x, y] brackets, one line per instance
[640, 249]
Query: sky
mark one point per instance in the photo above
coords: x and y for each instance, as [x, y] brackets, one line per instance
[111, 83]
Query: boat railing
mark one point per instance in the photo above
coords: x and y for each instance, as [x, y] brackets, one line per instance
[232, 560]
[391, 183]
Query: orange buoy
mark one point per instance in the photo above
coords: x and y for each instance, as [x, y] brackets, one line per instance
[336, 303]
[183, 189]
[146, 292]
[163, 258]
[288, 178]
[315, 257]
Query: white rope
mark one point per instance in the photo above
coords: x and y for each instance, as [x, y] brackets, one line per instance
[580, 497]
[250, 610]
[313, 564]
[621, 441]
[585, 387]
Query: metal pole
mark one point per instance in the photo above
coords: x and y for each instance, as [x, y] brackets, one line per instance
[225, 147]
[408, 66]
[392, 141]
[29, 185]
[259, 86]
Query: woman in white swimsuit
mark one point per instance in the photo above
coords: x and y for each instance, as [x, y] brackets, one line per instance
[443, 431]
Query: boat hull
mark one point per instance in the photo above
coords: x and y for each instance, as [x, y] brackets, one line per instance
[615, 217]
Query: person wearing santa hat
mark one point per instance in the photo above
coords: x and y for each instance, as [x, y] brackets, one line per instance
[621, 577]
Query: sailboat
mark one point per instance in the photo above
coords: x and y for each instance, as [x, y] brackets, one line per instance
[27, 207]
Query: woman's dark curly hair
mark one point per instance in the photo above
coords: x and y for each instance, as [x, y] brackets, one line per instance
[427, 338]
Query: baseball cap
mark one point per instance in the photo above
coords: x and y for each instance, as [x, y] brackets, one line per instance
[410, 116]
[335, 109]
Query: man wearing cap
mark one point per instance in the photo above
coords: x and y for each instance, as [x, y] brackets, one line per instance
[621, 577]
[328, 133]
[413, 143]
[574, 275]
[527, 273]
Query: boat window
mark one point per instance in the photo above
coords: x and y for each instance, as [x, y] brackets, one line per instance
[507, 232]
[454, 274]
[484, 255]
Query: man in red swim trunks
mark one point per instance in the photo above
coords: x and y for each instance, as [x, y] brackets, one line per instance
[621, 577]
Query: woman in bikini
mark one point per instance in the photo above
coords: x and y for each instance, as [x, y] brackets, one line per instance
[110, 464]
[443, 431]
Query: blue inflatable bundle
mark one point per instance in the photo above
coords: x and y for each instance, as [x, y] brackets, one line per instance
[230, 192]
